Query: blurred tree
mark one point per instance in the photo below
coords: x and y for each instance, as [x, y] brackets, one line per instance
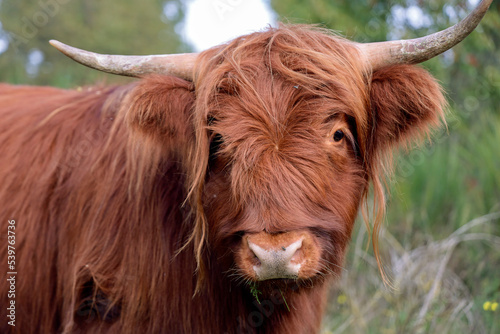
[112, 26]
[357, 20]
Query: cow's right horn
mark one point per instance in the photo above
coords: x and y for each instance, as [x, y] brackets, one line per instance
[413, 51]
[180, 65]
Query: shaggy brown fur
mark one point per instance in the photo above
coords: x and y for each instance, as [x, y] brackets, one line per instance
[107, 184]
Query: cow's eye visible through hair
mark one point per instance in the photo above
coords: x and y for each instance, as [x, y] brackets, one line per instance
[214, 162]
[215, 144]
[338, 135]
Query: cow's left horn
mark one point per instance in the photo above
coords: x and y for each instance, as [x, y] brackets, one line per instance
[179, 65]
[418, 50]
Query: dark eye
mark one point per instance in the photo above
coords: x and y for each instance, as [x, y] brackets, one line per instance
[338, 135]
[215, 144]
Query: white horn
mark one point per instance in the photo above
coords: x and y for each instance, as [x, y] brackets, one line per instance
[179, 65]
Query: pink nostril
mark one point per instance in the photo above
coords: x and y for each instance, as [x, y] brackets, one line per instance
[276, 262]
[255, 257]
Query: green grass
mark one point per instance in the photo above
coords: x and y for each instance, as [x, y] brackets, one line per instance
[429, 296]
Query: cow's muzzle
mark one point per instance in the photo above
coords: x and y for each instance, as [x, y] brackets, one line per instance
[293, 255]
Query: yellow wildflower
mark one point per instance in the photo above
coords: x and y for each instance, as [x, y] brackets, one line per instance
[341, 299]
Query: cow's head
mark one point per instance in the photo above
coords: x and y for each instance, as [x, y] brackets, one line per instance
[289, 126]
[284, 111]
[293, 125]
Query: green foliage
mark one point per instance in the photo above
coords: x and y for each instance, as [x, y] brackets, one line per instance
[112, 26]
[255, 292]
[357, 20]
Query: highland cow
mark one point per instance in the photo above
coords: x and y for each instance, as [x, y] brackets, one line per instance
[215, 195]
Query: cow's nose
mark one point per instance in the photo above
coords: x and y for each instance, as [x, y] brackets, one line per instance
[283, 261]
[264, 256]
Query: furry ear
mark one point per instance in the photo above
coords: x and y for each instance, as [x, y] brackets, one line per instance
[406, 103]
[159, 109]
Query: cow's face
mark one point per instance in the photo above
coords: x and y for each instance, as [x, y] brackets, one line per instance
[285, 175]
[296, 125]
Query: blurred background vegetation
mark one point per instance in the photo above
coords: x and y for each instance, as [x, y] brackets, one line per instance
[111, 26]
[441, 244]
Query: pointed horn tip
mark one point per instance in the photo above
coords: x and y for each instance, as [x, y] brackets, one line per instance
[60, 46]
[56, 43]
